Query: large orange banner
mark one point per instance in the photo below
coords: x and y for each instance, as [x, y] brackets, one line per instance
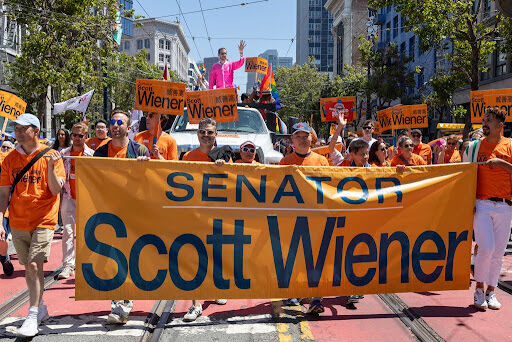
[218, 104]
[160, 97]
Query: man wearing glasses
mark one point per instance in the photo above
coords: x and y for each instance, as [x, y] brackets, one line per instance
[100, 128]
[449, 152]
[247, 153]
[79, 134]
[421, 149]
[221, 74]
[368, 133]
[121, 147]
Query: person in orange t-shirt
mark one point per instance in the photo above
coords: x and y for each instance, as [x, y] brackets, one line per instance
[33, 210]
[247, 153]
[165, 148]
[5, 260]
[378, 155]
[449, 153]
[405, 156]
[302, 140]
[79, 134]
[493, 212]
[421, 149]
[206, 134]
[100, 128]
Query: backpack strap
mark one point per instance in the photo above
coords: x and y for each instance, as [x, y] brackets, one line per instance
[27, 167]
[404, 160]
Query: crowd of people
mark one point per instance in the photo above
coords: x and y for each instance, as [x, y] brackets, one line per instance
[37, 182]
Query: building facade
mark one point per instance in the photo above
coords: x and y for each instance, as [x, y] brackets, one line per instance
[193, 76]
[164, 42]
[313, 35]
[126, 23]
[272, 57]
[351, 20]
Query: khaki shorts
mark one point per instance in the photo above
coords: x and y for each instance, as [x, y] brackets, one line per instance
[32, 246]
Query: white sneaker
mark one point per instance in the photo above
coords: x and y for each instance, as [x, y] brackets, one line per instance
[66, 273]
[29, 327]
[42, 314]
[479, 299]
[221, 301]
[193, 313]
[114, 318]
[492, 301]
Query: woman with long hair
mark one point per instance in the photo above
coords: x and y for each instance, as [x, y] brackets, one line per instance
[62, 140]
[378, 155]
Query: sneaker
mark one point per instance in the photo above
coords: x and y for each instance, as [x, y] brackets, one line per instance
[42, 314]
[29, 327]
[221, 301]
[7, 267]
[193, 313]
[353, 299]
[116, 318]
[492, 301]
[66, 273]
[120, 311]
[479, 299]
[315, 307]
[293, 302]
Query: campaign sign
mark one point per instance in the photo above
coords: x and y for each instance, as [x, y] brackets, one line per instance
[483, 99]
[161, 97]
[218, 104]
[332, 107]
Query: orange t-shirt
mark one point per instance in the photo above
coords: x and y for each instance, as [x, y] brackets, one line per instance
[452, 157]
[32, 203]
[196, 155]
[166, 144]
[386, 163]
[414, 160]
[94, 143]
[72, 185]
[493, 182]
[313, 159]
[117, 152]
[424, 151]
[240, 161]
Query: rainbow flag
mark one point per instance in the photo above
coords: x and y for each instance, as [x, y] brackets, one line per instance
[273, 90]
[202, 68]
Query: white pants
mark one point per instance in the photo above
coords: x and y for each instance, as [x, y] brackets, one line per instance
[68, 213]
[491, 225]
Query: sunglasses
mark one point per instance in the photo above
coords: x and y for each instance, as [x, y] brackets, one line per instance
[77, 135]
[367, 127]
[248, 149]
[206, 132]
[408, 145]
[383, 149]
[416, 135]
[5, 148]
[452, 144]
[113, 122]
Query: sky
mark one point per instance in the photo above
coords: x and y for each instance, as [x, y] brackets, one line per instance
[263, 24]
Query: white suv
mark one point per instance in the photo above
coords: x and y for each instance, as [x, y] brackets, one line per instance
[250, 126]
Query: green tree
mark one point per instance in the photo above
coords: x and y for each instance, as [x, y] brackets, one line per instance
[472, 33]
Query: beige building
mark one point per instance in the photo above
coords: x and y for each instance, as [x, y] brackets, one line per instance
[349, 23]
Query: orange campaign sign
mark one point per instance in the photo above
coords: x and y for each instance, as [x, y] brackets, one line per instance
[256, 64]
[161, 97]
[11, 106]
[412, 116]
[331, 107]
[218, 104]
[324, 151]
[483, 99]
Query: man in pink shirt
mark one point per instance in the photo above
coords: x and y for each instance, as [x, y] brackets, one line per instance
[221, 75]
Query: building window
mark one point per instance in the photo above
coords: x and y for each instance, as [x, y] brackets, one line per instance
[148, 57]
[127, 45]
[139, 44]
[487, 75]
[388, 32]
[146, 44]
[395, 26]
[412, 46]
[420, 79]
[167, 44]
[501, 60]
[161, 57]
[439, 59]
[168, 58]
[402, 50]
[339, 49]
[486, 8]
[161, 68]
[161, 44]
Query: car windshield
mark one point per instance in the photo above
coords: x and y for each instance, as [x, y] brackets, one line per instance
[248, 122]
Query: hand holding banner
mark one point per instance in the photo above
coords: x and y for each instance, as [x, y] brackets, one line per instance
[160, 97]
[218, 104]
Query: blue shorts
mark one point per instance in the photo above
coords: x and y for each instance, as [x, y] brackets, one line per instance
[7, 227]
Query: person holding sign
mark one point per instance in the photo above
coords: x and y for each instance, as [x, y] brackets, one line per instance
[165, 147]
[32, 175]
[406, 156]
[493, 212]
[121, 147]
[221, 74]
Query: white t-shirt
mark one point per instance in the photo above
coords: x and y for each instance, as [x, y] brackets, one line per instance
[370, 143]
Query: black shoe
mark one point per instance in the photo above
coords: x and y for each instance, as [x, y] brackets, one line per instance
[8, 267]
